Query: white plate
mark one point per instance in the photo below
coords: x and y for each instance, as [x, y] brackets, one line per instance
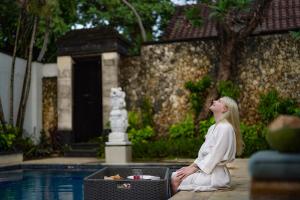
[146, 177]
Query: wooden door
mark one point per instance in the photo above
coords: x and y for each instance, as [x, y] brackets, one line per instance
[87, 99]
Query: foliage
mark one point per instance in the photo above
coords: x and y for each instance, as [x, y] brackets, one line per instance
[295, 35]
[142, 135]
[164, 148]
[198, 92]
[192, 14]
[147, 112]
[60, 13]
[254, 138]
[224, 7]
[8, 138]
[183, 129]
[154, 14]
[228, 88]
[8, 23]
[204, 126]
[140, 129]
[101, 141]
[31, 150]
[12, 140]
[134, 120]
[271, 105]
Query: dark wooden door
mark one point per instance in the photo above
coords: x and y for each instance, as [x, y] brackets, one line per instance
[87, 96]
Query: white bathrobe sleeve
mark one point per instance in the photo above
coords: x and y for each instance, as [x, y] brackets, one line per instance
[222, 150]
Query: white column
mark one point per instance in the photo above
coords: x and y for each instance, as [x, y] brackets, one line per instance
[110, 73]
[64, 92]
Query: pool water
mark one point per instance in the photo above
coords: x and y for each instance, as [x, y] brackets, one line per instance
[42, 185]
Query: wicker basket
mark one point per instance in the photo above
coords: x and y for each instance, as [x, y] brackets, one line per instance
[96, 188]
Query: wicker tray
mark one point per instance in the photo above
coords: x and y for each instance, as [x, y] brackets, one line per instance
[96, 188]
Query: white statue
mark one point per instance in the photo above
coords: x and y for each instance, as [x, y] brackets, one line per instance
[118, 117]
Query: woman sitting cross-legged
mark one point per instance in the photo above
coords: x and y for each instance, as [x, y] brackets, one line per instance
[222, 142]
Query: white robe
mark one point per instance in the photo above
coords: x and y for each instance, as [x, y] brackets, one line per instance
[218, 149]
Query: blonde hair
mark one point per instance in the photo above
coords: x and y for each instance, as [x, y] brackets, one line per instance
[232, 116]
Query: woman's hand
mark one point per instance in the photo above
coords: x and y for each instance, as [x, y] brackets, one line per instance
[186, 171]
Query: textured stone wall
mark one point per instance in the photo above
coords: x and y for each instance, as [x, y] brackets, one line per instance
[161, 70]
[49, 105]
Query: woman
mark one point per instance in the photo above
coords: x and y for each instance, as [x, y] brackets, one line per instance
[222, 141]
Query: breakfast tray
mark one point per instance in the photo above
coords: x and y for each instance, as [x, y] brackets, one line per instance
[97, 188]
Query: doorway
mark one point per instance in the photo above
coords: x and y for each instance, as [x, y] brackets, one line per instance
[87, 99]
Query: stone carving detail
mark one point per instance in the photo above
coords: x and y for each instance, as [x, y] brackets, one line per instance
[118, 117]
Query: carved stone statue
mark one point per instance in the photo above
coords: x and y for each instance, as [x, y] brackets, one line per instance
[118, 118]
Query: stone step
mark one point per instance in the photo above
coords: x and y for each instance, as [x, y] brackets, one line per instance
[83, 150]
[85, 146]
[81, 153]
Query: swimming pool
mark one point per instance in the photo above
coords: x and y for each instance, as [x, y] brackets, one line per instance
[43, 184]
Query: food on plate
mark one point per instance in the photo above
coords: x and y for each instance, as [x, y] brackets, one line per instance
[114, 177]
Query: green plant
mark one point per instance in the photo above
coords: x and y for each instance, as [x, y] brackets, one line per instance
[146, 112]
[222, 7]
[164, 148]
[142, 135]
[198, 91]
[295, 35]
[8, 136]
[254, 137]
[140, 129]
[32, 150]
[183, 129]
[134, 120]
[204, 126]
[192, 14]
[271, 105]
[228, 88]
[101, 141]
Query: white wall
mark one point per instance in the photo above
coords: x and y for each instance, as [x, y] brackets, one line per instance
[5, 70]
[33, 115]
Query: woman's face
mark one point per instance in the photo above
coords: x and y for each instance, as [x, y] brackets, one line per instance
[218, 106]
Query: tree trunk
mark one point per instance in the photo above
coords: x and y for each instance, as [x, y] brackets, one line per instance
[45, 42]
[12, 75]
[139, 20]
[227, 65]
[230, 40]
[27, 80]
[2, 119]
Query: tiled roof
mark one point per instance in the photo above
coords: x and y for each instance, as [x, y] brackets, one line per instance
[283, 15]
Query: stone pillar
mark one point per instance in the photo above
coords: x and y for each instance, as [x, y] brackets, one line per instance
[110, 73]
[64, 98]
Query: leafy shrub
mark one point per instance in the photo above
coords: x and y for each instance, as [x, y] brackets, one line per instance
[31, 150]
[146, 112]
[295, 35]
[134, 120]
[271, 105]
[228, 88]
[164, 148]
[140, 129]
[198, 91]
[8, 136]
[204, 126]
[254, 137]
[142, 135]
[183, 129]
[101, 141]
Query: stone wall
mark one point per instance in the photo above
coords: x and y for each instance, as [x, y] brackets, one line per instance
[161, 70]
[49, 105]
